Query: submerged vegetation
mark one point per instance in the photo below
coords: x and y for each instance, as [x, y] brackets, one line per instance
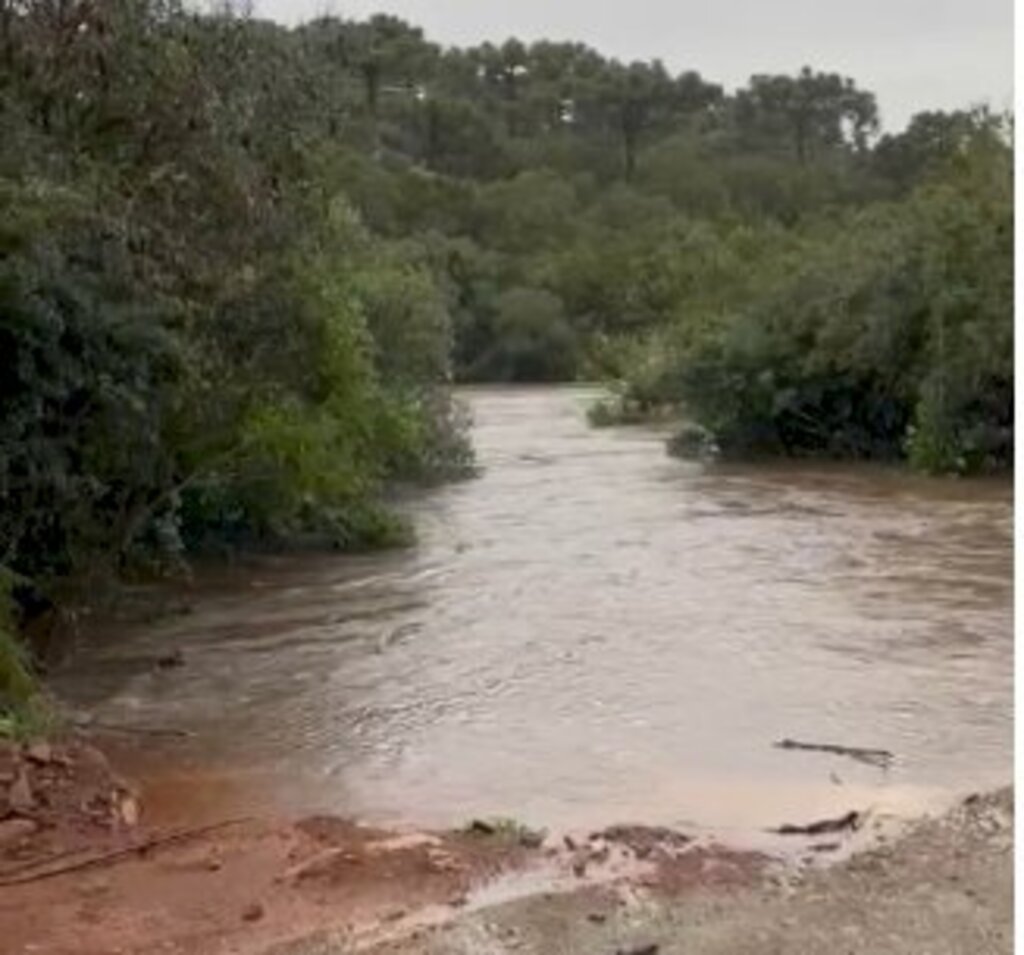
[240, 265]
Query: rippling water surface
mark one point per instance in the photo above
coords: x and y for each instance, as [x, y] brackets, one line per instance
[592, 631]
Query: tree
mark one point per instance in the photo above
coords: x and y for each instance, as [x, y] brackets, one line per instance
[813, 112]
[930, 140]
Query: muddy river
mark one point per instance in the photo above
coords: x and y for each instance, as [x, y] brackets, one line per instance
[594, 632]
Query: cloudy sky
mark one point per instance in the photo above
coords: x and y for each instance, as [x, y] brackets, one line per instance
[914, 54]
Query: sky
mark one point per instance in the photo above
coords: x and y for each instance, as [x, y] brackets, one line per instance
[913, 54]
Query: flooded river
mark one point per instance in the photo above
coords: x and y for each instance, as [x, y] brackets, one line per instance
[594, 632]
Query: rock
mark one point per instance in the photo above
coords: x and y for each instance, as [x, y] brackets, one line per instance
[14, 830]
[129, 810]
[650, 948]
[40, 753]
[252, 913]
[482, 828]
[19, 796]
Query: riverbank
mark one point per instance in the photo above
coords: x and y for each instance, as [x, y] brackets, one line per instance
[92, 864]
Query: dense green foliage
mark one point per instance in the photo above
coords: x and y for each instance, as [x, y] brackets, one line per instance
[239, 263]
[202, 342]
[884, 331]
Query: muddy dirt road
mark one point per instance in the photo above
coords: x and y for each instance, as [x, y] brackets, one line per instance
[945, 888]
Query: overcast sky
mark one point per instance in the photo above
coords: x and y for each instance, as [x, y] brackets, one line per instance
[913, 54]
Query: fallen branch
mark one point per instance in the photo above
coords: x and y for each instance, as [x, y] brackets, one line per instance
[875, 757]
[39, 863]
[114, 855]
[852, 820]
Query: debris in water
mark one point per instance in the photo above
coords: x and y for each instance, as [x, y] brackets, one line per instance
[875, 757]
[169, 660]
[852, 820]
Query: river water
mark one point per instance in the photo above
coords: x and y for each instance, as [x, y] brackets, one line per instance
[593, 632]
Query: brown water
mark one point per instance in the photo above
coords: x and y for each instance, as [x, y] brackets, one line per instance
[592, 631]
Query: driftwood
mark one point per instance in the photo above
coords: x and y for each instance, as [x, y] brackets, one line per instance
[114, 855]
[852, 820]
[875, 757]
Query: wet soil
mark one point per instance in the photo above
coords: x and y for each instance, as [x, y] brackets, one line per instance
[96, 865]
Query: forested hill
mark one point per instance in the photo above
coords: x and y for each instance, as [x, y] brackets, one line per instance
[240, 262]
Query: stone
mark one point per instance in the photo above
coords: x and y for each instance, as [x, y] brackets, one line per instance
[129, 811]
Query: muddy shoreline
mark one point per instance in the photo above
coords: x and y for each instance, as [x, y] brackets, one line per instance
[91, 862]
[945, 887]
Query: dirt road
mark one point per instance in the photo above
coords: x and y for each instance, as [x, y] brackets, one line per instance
[945, 888]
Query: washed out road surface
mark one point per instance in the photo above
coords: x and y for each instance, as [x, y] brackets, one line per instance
[945, 888]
